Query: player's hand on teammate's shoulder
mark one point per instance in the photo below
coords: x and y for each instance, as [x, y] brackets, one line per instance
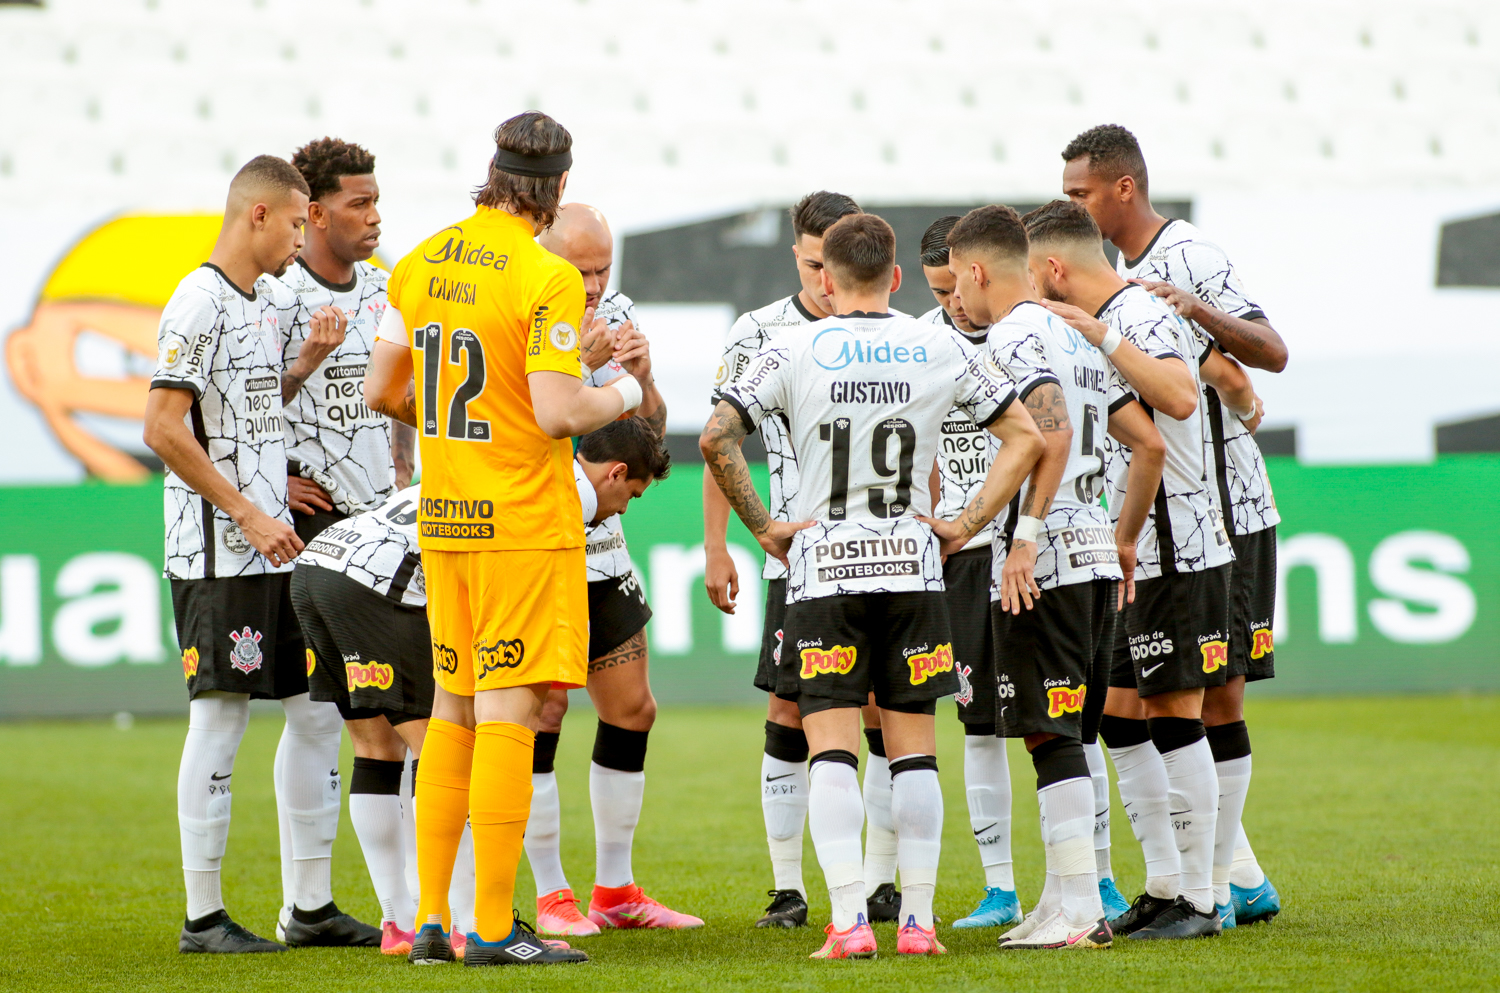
[325, 333]
[274, 539]
[1183, 302]
[1018, 577]
[776, 539]
[721, 579]
[306, 496]
[1079, 320]
[597, 342]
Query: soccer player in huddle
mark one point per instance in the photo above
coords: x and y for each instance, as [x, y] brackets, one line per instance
[1106, 172]
[214, 416]
[864, 394]
[618, 681]
[784, 772]
[342, 458]
[478, 349]
[1055, 561]
[963, 460]
[361, 597]
[1173, 639]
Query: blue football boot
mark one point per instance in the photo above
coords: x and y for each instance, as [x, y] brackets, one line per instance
[1226, 914]
[1114, 903]
[1260, 903]
[999, 908]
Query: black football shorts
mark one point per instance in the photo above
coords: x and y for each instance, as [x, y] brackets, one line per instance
[839, 649]
[1175, 636]
[770, 638]
[617, 612]
[1052, 661]
[966, 576]
[1252, 605]
[239, 634]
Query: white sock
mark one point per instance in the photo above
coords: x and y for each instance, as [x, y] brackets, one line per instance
[461, 887]
[543, 839]
[1234, 784]
[1246, 872]
[216, 723]
[783, 804]
[917, 810]
[880, 836]
[377, 822]
[283, 832]
[987, 785]
[1068, 814]
[1142, 779]
[311, 792]
[616, 798]
[1099, 773]
[1194, 799]
[409, 829]
[836, 815]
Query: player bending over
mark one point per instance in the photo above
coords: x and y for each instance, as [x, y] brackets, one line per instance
[1171, 643]
[1106, 172]
[618, 682]
[488, 322]
[864, 394]
[214, 416]
[963, 460]
[784, 766]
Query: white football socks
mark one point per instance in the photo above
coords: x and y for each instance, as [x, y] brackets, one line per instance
[836, 816]
[461, 887]
[1142, 780]
[216, 723]
[1234, 785]
[543, 838]
[616, 798]
[783, 804]
[310, 793]
[987, 786]
[1194, 804]
[409, 827]
[880, 836]
[1099, 774]
[917, 812]
[375, 813]
[1068, 818]
[1246, 872]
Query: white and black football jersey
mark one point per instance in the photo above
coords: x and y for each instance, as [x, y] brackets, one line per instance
[1184, 531]
[378, 548]
[1077, 541]
[1180, 255]
[965, 450]
[225, 347]
[864, 398]
[608, 558]
[747, 336]
[331, 436]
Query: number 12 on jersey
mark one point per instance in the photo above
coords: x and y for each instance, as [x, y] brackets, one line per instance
[464, 348]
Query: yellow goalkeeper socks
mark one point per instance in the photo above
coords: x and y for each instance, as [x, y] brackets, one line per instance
[442, 795]
[499, 803]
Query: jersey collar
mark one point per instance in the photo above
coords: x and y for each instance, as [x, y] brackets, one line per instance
[248, 296]
[1132, 263]
[860, 314]
[335, 287]
[802, 308]
[1105, 305]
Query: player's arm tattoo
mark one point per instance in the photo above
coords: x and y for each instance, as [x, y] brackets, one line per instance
[291, 382]
[634, 650]
[404, 410]
[1049, 411]
[1250, 341]
[721, 450]
[403, 452]
[657, 419]
[973, 518]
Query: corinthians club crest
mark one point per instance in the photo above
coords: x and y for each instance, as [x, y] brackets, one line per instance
[965, 694]
[246, 656]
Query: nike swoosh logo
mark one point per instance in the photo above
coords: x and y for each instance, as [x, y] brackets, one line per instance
[216, 777]
[1147, 672]
[984, 829]
[1253, 899]
[772, 779]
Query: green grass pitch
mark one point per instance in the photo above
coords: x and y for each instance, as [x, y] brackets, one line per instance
[1376, 819]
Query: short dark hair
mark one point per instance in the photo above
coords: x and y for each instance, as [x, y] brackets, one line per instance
[271, 173]
[323, 161]
[1113, 152]
[860, 250]
[815, 213]
[1062, 220]
[631, 441]
[935, 240]
[995, 229]
[531, 133]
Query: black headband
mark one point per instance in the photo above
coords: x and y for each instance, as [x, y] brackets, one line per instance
[532, 165]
